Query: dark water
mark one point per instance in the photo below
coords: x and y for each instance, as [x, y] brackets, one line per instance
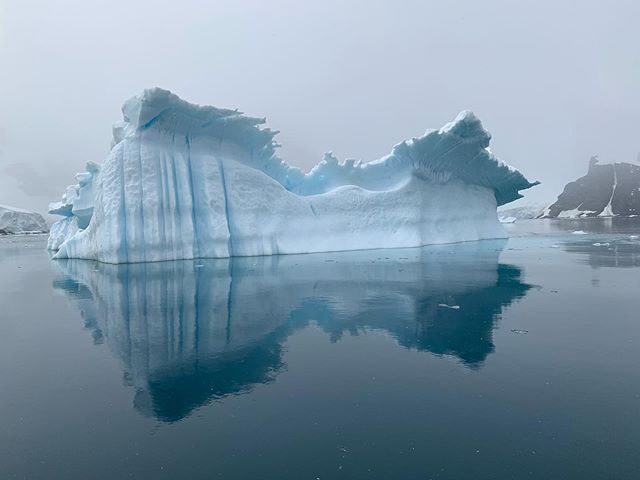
[487, 360]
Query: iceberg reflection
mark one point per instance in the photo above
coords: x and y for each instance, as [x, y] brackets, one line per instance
[189, 332]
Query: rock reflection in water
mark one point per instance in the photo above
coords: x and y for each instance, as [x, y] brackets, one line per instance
[189, 332]
[622, 252]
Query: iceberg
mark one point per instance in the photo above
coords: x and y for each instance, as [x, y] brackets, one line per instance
[184, 181]
[17, 220]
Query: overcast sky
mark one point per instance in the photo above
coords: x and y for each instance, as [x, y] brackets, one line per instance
[554, 81]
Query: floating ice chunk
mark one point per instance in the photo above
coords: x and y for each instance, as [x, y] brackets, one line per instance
[184, 181]
[453, 307]
[579, 232]
[507, 219]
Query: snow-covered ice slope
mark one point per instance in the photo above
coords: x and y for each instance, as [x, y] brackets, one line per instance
[17, 220]
[185, 181]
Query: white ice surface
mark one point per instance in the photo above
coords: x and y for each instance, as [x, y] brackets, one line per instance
[61, 231]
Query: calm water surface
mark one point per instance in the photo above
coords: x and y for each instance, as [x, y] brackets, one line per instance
[488, 360]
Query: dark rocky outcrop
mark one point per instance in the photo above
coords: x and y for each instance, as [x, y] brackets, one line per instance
[606, 190]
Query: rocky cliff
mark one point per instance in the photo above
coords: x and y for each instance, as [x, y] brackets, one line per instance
[606, 190]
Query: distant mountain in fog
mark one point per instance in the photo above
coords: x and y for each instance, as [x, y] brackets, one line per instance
[17, 220]
[522, 213]
[606, 190]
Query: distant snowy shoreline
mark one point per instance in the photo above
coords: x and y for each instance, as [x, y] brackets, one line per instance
[19, 221]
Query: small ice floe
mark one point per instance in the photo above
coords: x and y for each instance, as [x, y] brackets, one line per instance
[519, 332]
[199, 265]
[598, 244]
[634, 237]
[579, 232]
[507, 219]
[453, 307]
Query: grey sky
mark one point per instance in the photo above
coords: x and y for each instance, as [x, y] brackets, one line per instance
[554, 81]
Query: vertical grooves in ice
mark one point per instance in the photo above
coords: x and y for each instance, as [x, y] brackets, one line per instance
[176, 241]
[142, 206]
[170, 221]
[123, 254]
[196, 246]
[162, 209]
[226, 207]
